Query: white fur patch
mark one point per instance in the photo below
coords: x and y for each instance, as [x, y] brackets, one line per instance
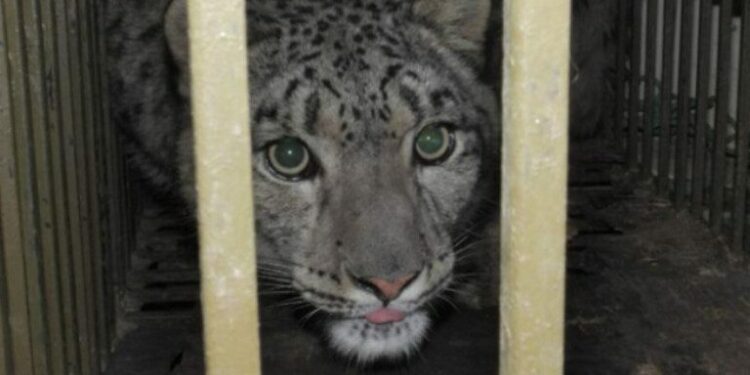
[367, 342]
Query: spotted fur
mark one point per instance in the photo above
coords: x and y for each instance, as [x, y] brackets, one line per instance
[355, 80]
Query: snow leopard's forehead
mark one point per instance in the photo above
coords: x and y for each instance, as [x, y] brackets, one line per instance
[328, 67]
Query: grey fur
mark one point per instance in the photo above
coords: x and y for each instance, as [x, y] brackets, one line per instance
[354, 80]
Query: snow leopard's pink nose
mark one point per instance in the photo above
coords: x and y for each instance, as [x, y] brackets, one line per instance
[390, 289]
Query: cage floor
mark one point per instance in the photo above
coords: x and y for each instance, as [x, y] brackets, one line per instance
[650, 291]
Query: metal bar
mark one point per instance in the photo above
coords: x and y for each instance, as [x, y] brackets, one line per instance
[53, 43]
[618, 120]
[5, 342]
[683, 101]
[534, 173]
[69, 187]
[701, 117]
[113, 196]
[649, 114]
[15, 347]
[29, 249]
[665, 94]
[743, 138]
[92, 151]
[718, 180]
[80, 191]
[88, 187]
[39, 47]
[636, 67]
[220, 107]
[102, 130]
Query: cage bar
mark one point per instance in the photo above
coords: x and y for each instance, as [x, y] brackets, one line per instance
[18, 351]
[618, 120]
[687, 27]
[665, 97]
[225, 210]
[109, 196]
[30, 248]
[721, 121]
[70, 63]
[635, 118]
[701, 116]
[649, 115]
[54, 217]
[534, 173]
[38, 50]
[743, 139]
[95, 276]
[5, 355]
[81, 257]
[51, 46]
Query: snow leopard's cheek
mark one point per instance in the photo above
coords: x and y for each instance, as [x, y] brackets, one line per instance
[453, 183]
[285, 215]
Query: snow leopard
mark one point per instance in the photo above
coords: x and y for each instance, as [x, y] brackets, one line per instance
[374, 150]
[375, 139]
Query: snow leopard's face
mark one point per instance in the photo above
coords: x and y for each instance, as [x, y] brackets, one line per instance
[373, 147]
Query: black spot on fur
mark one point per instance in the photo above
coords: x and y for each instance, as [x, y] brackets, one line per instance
[388, 51]
[318, 40]
[305, 9]
[412, 99]
[329, 86]
[438, 98]
[291, 88]
[269, 112]
[385, 116]
[354, 18]
[310, 56]
[312, 107]
[309, 72]
[411, 74]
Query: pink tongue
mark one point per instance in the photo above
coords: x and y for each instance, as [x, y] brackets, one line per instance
[385, 315]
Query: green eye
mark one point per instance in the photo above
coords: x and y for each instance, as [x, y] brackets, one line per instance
[433, 143]
[289, 157]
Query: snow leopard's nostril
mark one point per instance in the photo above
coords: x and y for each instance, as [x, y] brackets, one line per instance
[386, 290]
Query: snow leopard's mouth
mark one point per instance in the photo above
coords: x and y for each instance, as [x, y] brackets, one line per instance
[366, 341]
[385, 320]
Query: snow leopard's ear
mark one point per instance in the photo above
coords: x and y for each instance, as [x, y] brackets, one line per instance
[176, 32]
[462, 24]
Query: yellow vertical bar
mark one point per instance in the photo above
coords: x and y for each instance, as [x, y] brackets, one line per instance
[222, 141]
[535, 141]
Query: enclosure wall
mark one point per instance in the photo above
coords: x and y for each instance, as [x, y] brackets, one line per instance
[683, 114]
[62, 222]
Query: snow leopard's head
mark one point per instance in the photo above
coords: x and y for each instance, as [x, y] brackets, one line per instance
[374, 149]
